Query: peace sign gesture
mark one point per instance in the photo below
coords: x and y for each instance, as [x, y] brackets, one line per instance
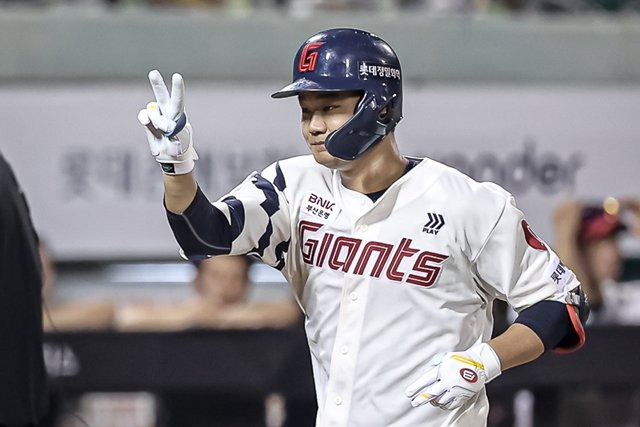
[168, 130]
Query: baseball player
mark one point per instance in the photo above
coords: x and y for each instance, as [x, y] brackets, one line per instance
[394, 260]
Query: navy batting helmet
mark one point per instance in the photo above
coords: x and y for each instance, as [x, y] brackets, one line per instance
[347, 59]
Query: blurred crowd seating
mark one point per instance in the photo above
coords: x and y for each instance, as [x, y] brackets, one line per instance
[303, 7]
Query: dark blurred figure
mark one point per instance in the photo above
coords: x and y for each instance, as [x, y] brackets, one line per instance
[23, 384]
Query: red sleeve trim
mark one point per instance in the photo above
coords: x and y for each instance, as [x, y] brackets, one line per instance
[577, 328]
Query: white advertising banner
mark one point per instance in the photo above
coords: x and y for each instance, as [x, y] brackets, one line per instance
[96, 193]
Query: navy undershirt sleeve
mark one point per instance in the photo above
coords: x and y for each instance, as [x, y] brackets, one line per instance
[549, 320]
[201, 230]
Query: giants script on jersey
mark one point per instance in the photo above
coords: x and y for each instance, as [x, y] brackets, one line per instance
[353, 255]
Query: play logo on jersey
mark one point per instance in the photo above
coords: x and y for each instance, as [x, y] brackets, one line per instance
[434, 223]
[319, 206]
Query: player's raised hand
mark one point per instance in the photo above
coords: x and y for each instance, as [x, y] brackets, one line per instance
[168, 131]
[454, 378]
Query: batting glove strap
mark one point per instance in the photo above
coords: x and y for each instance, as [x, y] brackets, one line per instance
[181, 165]
[170, 142]
[454, 378]
[490, 362]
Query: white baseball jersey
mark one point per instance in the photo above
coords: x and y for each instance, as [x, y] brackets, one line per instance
[387, 285]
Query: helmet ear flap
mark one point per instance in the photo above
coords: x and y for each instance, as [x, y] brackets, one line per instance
[360, 132]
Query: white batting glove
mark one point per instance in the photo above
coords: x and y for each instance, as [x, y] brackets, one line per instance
[168, 130]
[456, 377]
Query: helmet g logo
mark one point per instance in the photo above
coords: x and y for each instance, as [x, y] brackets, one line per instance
[308, 57]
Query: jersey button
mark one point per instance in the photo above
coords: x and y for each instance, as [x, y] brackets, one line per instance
[353, 296]
[344, 349]
[363, 227]
[337, 400]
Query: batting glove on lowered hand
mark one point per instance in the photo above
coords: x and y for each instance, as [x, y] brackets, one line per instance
[167, 128]
[454, 378]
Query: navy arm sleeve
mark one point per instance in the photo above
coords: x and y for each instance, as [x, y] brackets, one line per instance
[550, 320]
[202, 230]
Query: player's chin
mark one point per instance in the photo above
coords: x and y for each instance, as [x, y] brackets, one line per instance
[322, 156]
[326, 159]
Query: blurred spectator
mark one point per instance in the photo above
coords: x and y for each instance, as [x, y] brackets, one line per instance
[221, 301]
[23, 385]
[84, 314]
[569, 6]
[303, 7]
[587, 240]
[270, 3]
[188, 3]
[445, 6]
[500, 6]
[437, 6]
